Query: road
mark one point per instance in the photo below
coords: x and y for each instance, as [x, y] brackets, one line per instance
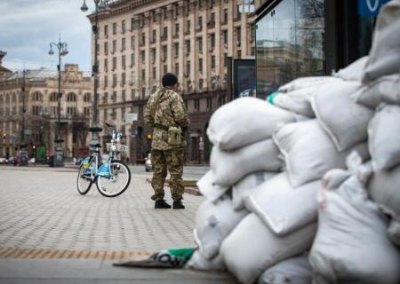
[43, 218]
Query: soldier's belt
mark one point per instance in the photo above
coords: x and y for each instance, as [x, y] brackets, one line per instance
[160, 126]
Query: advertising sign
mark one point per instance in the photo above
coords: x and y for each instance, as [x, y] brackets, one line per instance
[370, 8]
[244, 78]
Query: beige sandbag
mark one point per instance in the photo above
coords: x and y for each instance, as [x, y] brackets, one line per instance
[245, 121]
[251, 248]
[198, 262]
[208, 187]
[283, 208]
[230, 167]
[343, 120]
[354, 71]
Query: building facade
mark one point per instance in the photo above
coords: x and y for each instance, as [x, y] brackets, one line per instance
[28, 111]
[140, 40]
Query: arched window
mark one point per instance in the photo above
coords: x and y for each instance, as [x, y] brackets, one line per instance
[7, 99]
[53, 97]
[14, 98]
[71, 97]
[87, 98]
[37, 97]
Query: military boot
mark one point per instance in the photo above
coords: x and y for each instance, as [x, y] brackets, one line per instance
[178, 205]
[161, 204]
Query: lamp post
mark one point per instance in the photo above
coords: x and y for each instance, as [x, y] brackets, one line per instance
[58, 151]
[100, 5]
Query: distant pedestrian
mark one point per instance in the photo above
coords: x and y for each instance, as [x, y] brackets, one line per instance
[166, 115]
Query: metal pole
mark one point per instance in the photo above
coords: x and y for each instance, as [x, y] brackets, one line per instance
[23, 155]
[95, 129]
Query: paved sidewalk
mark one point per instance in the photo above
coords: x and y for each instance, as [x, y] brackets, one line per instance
[46, 226]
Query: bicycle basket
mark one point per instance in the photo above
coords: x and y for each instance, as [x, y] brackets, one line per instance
[119, 148]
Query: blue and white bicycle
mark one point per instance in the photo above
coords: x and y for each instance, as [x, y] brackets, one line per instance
[112, 177]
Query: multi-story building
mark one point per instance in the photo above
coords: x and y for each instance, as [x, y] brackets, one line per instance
[35, 91]
[140, 40]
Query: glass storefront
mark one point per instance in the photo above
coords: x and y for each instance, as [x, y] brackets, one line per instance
[290, 43]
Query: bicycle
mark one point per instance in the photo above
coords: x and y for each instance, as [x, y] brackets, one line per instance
[112, 177]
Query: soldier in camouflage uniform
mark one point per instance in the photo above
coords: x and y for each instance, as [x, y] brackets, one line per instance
[166, 109]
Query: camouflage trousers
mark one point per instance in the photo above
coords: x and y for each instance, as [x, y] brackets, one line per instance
[162, 162]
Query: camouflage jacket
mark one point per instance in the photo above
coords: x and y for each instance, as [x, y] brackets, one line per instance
[165, 107]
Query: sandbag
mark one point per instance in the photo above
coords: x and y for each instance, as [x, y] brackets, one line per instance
[384, 189]
[384, 56]
[209, 188]
[297, 101]
[214, 221]
[345, 121]
[246, 185]
[309, 152]
[230, 167]
[351, 245]
[394, 232]
[295, 270]
[384, 89]
[384, 137]
[251, 248]
[305, 82]
[244, 121]
[354, 71]
[281, 207]
[197, 261]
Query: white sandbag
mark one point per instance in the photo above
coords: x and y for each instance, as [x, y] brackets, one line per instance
[197, 261]
[384, 137]
[384, 89]
[230, 167]
[281, 207]
[209, 188]
[295, 270]
[309, 152]
[305, 82]
[246, 185]
[384, 189]
[297, 101]
[384, 56]
[394, 232]
[351, 245]
[245, 121]
[354, 71]
[251, 248]
[214, 221]
[345, 121]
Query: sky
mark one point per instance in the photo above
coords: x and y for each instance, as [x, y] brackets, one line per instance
[29, 26]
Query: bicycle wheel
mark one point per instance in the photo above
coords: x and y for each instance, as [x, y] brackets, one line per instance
[84, 181]
[117, 183]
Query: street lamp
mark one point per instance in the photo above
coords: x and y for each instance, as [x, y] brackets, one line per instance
[58, 151]
[100, 5]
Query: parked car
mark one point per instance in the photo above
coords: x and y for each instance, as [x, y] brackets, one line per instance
[147, 163]
[12, 160]
[31, 161]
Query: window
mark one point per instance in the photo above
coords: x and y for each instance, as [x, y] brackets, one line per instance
[225, 17]
[165, 52]
[209, 104]
[187, 68]
[200, 43]
[123, 26]
[177, 69]
[132, 59]
[225, 59]
[114, 80]
[114, 28]
[105, 81]
[188, 47]
[200, 23]
[143, 56]
[132, 42]
[86, 111]
[239, 34]
[71, 111]
[106, 65]
[143, 39]
[86, 98]
[123, 44]
[154, 73]
[114, 66]
[114, 46]
[106, 31]
[212, 40]
[106, 48]
[176, 45]
[221, 100]
[200, 65]
[133, 77]
[188, 26]
[197, 105]
[154, 36]
[143, 75]
[225, 36]
[165, 33]
[213, 62]
[132, 24]
[176, 29]
[123, 79]
[53, 97]
[105, 114]
[123, 61]
[165, 68]
[153, 55]
[71, 97]
[36, 97]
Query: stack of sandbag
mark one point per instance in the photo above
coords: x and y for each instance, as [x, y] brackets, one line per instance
[351, 245]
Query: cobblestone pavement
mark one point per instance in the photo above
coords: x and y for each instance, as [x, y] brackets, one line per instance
[42, 213]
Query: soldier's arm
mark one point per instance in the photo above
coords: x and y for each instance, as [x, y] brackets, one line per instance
[148, 113]
[179, 111]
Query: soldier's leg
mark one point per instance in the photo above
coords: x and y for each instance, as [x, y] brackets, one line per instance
[159, 164]
[175, 160]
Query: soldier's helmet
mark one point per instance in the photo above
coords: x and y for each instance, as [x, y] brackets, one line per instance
[169, 79]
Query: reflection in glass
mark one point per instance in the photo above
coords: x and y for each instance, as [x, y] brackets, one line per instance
[290, 44]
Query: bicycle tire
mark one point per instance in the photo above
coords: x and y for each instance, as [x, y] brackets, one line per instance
[85, 188]
[103, 183]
